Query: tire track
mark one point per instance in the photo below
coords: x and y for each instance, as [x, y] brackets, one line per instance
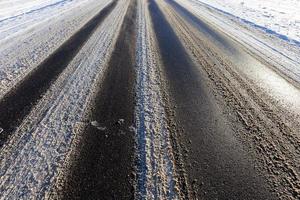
[216, 163]
[276, 145]
[140, 104]
[36, 152]
[101, 164]
[24, 50]
[18, 102]
[246, 62]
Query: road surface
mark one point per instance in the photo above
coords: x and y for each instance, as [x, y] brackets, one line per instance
[146, 99]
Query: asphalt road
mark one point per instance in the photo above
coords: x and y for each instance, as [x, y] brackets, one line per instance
[152, 100]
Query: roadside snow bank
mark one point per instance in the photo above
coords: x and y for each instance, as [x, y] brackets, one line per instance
[282, 17]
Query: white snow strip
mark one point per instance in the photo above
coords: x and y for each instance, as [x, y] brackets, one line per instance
[29, 162]
[156, 177]
[280, 16]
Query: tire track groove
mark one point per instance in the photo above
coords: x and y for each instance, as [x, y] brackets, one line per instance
[32, 160]
[104, 151]
[18, 102]
[255, 112]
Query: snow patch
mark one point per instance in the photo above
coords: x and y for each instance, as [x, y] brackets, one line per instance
[276, 16]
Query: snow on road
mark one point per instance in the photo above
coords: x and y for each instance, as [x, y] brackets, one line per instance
[281, 53]
[156, 177]
[277, 132]
[13, 25]
[283, 17]
[14, 8]
[33, 155]
[272, 63]
[30, 31]
[29, 38]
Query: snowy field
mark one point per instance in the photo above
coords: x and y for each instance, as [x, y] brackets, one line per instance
[282, 17]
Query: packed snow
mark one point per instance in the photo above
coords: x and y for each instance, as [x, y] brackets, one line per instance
[29, 164]
[156, 174]
[282, 17]
[14, 8]
[35, 31]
